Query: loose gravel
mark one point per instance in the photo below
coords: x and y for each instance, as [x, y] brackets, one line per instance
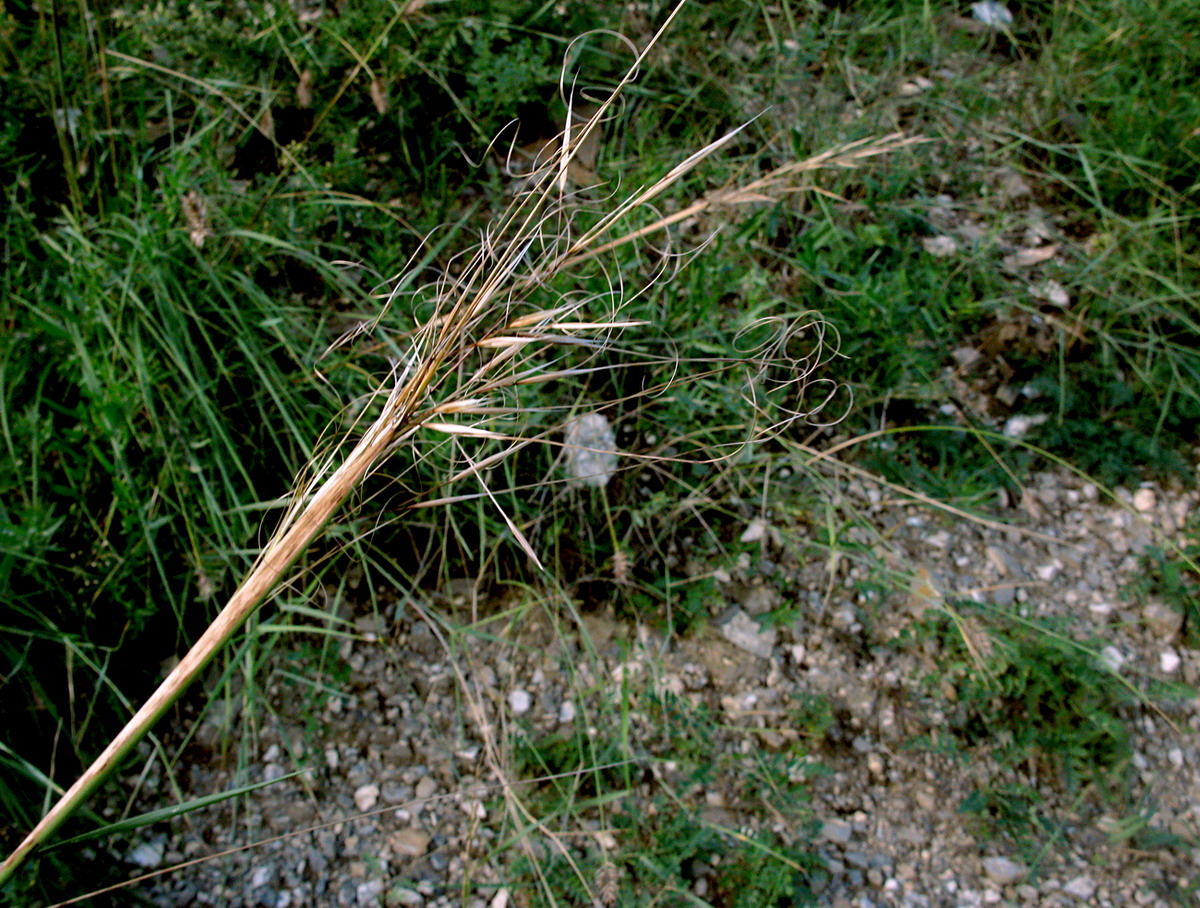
[407, 794]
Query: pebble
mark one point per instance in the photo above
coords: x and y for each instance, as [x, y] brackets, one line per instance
[148, 855]
[1161, 619]
[408, 731]
[368, 893]
[939, 540]
[756, 531]
[366, 796]
[425, 788]
[837, 831]
[1048, 572]
[1003, 871]
[1082, 887]
[394, 793]
[402, 895]
[746, 633]
[1144, 500]
[760, 599]
[411, 842]
[520, 701]
[941, 246]
[1112, 657]
[261, 875]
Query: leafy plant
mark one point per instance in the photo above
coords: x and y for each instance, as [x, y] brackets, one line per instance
[1171, 576]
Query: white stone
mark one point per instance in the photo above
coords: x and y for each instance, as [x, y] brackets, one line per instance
[940, 246]
[366, 796]
[1169, 661]
[1054, 293]
[1082, 887]
[939, 540]
[566, 712]
[261, 875]
[368, 893]
[1048, 572]
[1112, 657]
[520, 701]
[756, 530]
[1019, 426]
[591, 450]
[1144, 500]
[148, 855]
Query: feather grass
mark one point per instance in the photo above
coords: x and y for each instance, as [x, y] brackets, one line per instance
[477, 344]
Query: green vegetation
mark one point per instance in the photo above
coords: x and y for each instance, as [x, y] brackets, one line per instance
[200, 202]
[661, 847]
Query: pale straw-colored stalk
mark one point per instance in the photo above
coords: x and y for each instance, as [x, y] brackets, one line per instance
[475, 322]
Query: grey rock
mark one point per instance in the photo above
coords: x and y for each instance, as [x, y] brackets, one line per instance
[425, 788]
[745, 633]
[369, 892]
[394, 792]
[837, 831]
[148, 855]
[1161, 619]
[857, 859]
[759, 600]
[403, 895]
[1004, 871]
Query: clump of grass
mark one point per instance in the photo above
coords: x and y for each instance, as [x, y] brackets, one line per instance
[1041, 711]
[636, 769]
[1035, 696]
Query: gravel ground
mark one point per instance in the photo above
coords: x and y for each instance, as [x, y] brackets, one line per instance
[409, 797]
